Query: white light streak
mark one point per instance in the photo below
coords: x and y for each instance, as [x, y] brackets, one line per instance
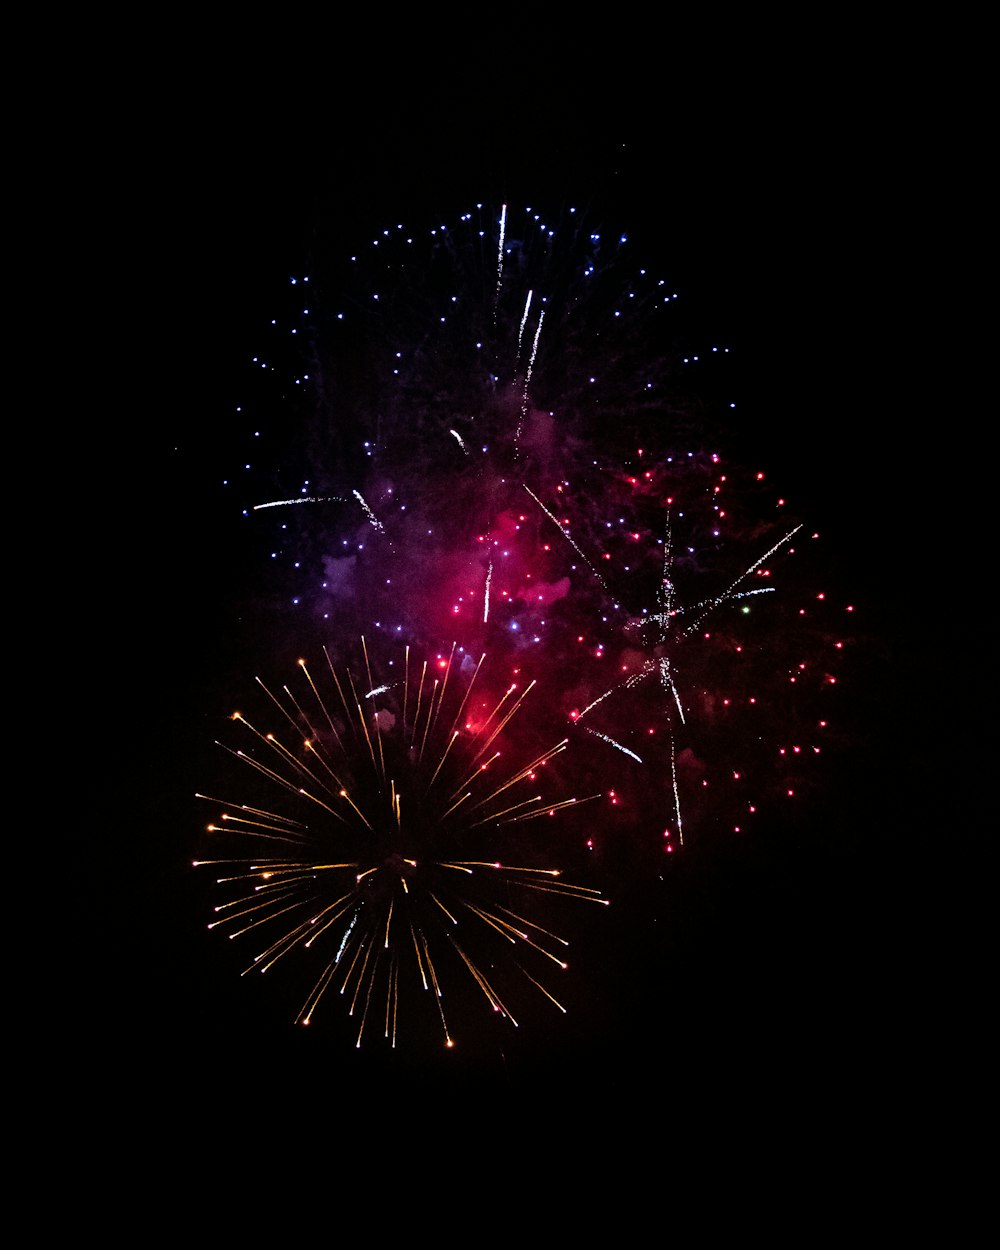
[524, 320]
[677, 797]
[711, 604]
[503, 228]
[371, 515]
[565, 535]
[283, 503]
[618, 745]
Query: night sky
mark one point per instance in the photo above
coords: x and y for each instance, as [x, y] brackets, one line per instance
[806, 972]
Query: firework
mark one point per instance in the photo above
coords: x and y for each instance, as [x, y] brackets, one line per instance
[380, 844]
[504, 428]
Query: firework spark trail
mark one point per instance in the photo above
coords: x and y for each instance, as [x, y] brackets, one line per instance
[565, 535]
[284, 503]
[527, 378]
[667, 682]
[382, 898]
[677, 797]
[503, 228]
[712, 604]
[524, 322]
[611, 742]
[486, 595]
[460, 440]
[600, 699]
[371, 515]
[629, 683]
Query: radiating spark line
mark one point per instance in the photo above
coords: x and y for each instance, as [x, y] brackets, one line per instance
[568, 538]
[712, 604]
[284, 503]
[346, 937]
[486, 595]
[373, 519]
[539, 985]
[524, 322]
[668, 684]
[319, 700]
[257, 811]
[677, 797]
[503, 228]
[611, 742]
[599, 699]
[461, 441]
[378, 690]
[430, 715]
[527, 379]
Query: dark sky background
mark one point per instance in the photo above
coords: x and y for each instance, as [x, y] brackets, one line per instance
[805, 980]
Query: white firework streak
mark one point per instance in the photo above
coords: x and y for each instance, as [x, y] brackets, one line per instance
[599, 699]
[709, 604]
[677, 797]
[461, 444]
[565, 535]
[712, 604]
[527, 378]
[524, 320]
[350, 929]
[668, 684]
[503, 227]
[283, 503]
[378, 690]
[486, 595]
[611, 742]
[371, 515]
[649, 667]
